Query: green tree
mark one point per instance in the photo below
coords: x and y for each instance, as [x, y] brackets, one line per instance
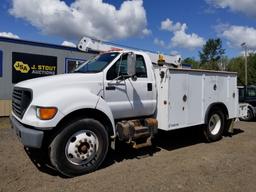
[211, 54]
[192, 61]
[237, 65]
[252, 69]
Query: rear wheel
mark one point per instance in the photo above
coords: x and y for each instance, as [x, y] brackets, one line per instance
[214, 127]
[79, 148]
[249, 115]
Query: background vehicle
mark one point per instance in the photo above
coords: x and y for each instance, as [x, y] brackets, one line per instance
[248, 95]
[126, 95]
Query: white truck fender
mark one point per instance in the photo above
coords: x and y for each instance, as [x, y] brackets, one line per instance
[103, 107]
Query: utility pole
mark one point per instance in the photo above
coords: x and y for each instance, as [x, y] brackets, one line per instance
[245, 63]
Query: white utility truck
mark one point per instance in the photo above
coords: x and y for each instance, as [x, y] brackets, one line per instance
[120, 94]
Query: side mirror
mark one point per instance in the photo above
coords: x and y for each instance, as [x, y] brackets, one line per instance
[131, 62]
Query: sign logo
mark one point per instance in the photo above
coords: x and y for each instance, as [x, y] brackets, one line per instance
[43, 69]
[22, 67]
[27, 66]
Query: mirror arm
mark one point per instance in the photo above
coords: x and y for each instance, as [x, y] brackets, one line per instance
[121, 78]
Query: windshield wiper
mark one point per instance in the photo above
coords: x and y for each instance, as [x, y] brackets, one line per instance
[86, 71]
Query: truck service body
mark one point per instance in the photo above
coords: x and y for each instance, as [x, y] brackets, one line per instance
[118, 95]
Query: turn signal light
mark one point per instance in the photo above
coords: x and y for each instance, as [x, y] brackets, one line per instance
[46, 113]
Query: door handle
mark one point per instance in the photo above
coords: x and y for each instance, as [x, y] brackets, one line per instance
[149, 85]
[110, 88]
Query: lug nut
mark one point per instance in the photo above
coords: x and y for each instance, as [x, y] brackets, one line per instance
[70, 155]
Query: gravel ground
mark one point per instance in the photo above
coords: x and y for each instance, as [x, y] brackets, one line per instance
[179, 161]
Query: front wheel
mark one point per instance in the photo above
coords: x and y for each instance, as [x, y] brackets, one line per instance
[214, 126]
[79, 148]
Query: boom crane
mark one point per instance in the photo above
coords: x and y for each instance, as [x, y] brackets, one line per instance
[90, 44]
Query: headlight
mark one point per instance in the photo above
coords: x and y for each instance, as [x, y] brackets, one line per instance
[46, 113]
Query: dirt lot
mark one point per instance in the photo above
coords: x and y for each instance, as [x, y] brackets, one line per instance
[180, 161]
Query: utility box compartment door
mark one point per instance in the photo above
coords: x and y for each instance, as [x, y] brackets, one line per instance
[178, 105]
[186, 99]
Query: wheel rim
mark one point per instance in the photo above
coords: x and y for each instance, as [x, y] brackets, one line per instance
[81, 147]
[214, 124]
[249, 115]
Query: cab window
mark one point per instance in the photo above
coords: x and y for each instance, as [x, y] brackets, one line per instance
[141, 71]
[251, 92]
[120, 68]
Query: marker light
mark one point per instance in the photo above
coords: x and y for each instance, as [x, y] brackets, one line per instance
[46, 113]
[161, 59]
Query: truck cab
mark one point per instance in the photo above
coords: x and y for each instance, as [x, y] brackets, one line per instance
[101, 90]
[247, 94]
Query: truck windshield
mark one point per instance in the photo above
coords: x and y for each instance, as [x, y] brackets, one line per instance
[97, 64]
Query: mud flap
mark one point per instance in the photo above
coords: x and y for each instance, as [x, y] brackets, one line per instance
[230, 126]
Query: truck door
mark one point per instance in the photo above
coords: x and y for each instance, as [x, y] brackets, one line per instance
[129, 97]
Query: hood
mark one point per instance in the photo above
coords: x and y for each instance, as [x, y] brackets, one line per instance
[92, 82]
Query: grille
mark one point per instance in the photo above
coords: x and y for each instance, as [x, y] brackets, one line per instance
[21, 98]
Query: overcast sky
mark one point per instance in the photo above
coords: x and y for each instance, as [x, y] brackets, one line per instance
[169, 26]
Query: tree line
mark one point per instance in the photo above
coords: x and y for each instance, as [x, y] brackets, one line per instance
[212, 57]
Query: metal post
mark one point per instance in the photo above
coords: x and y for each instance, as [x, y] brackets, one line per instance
[246, 81]
[245, 64]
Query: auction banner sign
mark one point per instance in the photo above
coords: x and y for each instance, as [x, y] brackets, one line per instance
[27, 66]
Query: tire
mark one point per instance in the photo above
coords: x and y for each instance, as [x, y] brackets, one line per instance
[215, 124]
[79, 148]
[249, 115]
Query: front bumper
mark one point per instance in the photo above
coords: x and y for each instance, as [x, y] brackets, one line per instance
[28, 137]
